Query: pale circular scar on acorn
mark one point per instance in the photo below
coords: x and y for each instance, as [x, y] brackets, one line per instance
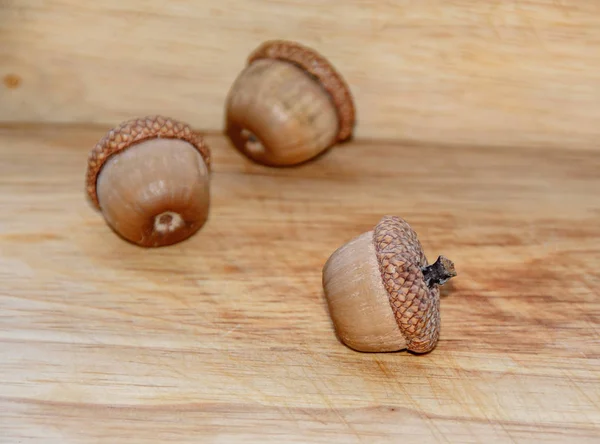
[288, 105]
[382, 294]
[150, 177]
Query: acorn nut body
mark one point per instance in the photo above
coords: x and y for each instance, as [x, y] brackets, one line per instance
[150, 179]
[288, 105]
[382, 294]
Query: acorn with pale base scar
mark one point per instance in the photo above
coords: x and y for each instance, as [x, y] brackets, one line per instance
[288, 105]
[381, 292]
[150, 179]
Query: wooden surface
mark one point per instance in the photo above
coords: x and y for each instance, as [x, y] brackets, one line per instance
[490, 73]
[226, 337]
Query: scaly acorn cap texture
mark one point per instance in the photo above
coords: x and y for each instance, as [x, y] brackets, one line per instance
[135, 131]
[416, 305]
[318, 67]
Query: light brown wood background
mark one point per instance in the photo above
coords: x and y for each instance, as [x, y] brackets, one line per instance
[501, 72]
[226, 337]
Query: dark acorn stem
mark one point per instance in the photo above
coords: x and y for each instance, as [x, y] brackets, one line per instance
[439, 272]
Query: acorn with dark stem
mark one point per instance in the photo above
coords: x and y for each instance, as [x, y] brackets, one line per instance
[150, 179]
[381, 292]
[288, 105]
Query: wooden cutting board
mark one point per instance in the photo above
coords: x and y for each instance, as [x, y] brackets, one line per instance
[226, 337]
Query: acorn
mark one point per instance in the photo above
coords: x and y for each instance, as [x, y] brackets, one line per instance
[382, 294]
[149, 177]
[288, 105]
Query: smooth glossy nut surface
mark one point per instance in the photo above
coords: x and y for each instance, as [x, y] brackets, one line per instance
[150, 179]
[287, 106]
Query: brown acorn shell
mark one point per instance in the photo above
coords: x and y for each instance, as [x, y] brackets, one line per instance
[317, 66]
[135, 131]
[416, 306]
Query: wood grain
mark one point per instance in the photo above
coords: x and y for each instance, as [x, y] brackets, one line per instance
[226, 337]
[490, 73]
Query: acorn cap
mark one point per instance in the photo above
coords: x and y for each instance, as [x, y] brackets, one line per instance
[317, 66]
[135, 131]
[416, 305]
